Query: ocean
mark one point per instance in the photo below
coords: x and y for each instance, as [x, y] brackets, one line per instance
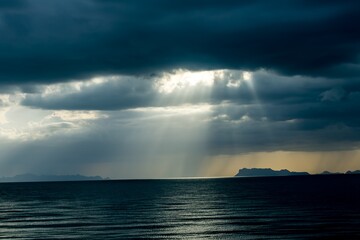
[294, 207]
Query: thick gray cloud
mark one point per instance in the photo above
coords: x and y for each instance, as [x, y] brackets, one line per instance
[50, 41]
[268, 88]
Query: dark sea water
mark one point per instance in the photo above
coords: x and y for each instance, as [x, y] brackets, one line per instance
[298, 207]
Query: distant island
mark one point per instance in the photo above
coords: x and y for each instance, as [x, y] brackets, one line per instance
[50, 178]
[268, 172]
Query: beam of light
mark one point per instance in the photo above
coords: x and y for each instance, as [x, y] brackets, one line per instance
[249, 81]
[180, 132]
[175, 138]
[181, 87]
[237, 82]
[158, 142]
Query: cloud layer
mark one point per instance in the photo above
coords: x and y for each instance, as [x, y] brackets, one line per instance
[250, 111]
[45, 42]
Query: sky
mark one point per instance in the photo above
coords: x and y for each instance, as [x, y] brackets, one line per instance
[181, 88]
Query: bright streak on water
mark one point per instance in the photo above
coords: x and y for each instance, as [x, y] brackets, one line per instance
[309, 207]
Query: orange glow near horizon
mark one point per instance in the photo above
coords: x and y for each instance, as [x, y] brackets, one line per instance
[312, 162]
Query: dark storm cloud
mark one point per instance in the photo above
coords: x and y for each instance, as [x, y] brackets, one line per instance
[265, 87]
[49, 41]
[12, 4]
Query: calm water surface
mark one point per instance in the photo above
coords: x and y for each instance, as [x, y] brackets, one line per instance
[301, 207]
